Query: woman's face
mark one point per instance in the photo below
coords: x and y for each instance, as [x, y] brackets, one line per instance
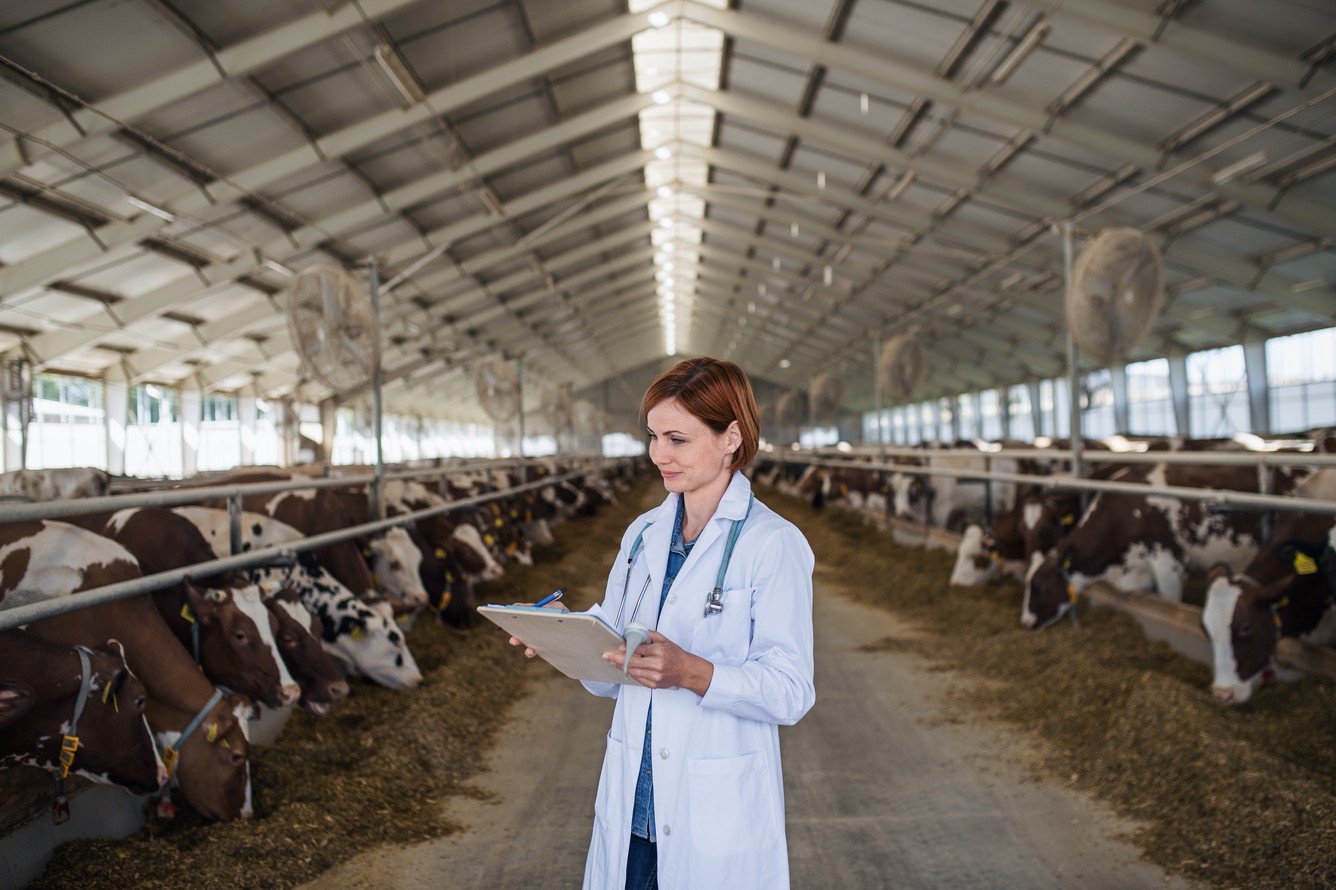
[688, 453]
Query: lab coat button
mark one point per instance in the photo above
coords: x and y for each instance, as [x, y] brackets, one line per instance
[667, 830]
[663, 753]
[672, 598]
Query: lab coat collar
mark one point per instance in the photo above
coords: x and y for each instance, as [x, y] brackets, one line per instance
[658, 537]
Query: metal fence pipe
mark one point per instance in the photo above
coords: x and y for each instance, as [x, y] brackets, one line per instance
[1201, 458]
[1064, 482]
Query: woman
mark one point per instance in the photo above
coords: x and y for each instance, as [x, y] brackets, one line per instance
[691, 795]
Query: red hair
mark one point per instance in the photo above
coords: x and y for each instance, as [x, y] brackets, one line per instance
[715, 391]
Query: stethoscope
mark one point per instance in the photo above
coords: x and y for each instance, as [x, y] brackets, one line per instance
[714, 600]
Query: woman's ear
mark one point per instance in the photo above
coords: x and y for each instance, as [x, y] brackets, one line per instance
[733, 437]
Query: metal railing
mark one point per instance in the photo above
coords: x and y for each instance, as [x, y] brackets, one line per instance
[36, 611]
[1218, 496]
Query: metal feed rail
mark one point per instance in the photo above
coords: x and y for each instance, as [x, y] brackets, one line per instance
[1210, 495]
[1212, 458]
[36, 611]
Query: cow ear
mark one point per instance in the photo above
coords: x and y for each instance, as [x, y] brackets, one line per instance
[1219, 570]
[198, 606]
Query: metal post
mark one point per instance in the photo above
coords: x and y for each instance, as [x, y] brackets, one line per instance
[377, 505]
[234, 521]
[519, 384]
[1073, 389]
[876, 391]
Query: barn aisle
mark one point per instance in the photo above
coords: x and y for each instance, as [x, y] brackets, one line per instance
[887, 787]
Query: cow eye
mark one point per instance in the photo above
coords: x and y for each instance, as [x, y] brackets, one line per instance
[396, 566]
[240, 636]
[140, 703]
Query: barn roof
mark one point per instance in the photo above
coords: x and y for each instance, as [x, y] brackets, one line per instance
[776, 181]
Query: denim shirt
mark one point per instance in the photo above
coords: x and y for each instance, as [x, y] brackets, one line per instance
[642, 817]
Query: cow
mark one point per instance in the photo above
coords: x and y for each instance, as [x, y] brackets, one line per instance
[443, 531]
[226, 627]
[1286, 591]
[1148, 542]
[43, 560]
[42, 687]
[314, 511]
[362, 637]
[298, 636]
[55, 485]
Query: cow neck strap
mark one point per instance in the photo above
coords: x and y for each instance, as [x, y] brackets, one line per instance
[70, 743]
[173, 751]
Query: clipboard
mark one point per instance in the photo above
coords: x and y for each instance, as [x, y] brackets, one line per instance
[572, 642]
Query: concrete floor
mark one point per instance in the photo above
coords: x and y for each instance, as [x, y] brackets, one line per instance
[886, 788]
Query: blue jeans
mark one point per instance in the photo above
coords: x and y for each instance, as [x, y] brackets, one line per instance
[642, 865]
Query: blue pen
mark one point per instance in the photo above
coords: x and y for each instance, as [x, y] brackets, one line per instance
[550, 598]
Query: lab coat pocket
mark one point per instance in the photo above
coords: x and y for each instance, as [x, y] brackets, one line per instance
[733, 804]
[611, 783]
[725, 637]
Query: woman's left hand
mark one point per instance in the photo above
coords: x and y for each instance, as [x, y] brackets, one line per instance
[662, 664]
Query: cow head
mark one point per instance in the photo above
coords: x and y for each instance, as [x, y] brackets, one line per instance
[1050, 591]
[395, 561]
[909, 490]
[365, 639]
[116, 744]
[1240, 621]
[1244, 619]
[298, 636]
[473, 554]
[237, 647]
[212, 770]
[975, 561]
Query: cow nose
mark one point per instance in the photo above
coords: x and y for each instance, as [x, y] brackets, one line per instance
[338, 690]
[1028, 621]
[1223, 695]
[289, 694]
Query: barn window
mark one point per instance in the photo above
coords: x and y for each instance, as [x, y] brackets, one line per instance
[969, 421]
[1217, 393]
[1301, 374]
[1097, 415]
[1150, 404]
[1020, 418]
[64, 407]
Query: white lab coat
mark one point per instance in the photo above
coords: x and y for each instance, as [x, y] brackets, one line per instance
[718, 787]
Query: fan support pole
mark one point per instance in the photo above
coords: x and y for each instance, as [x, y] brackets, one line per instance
[1073, 392]
[876, 392]
[519, 446]
[377, 501]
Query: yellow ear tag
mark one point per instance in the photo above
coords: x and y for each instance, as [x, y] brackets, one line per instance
[514, 514]
[511, 548]
[528, 516]
[169, 760]
[224, 744]
[1071, 592]
[1304, 564]
[488, 539]
[499, 523]
[1069, 519]
[358, 633]
[187, 614]
[445, 600]
[997, 558]
[440, 553]
[212, 734]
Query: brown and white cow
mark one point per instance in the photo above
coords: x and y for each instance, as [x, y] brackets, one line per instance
[297, 633]
[42, 684]
[55, 484]
[1286, 591]
[225, 626]
[1148, 542]
[361, 636]
[44, 560]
